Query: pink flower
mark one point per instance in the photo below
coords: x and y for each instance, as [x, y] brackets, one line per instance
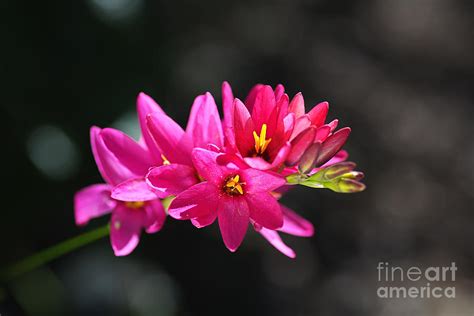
[204, 129]
[234, 195]
[123, 164]
[311, 128]
[269, 132]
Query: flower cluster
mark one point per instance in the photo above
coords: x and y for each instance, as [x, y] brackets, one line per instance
[233, 170]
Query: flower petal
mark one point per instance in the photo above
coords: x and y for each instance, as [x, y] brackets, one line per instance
[204, 124]
[333, 124]
[265, 210]
[112, 170]
[274, 239]
[171, 179]
[295, 225]
[91, 202]
[155, 216]
[281, 156]
[301, 123]
[318, 114]
[263, 107]
[207, 166]
[289, 124]
[170, 138]
[341, 155]
[94, 134]
[233, 215]
[322, 133]
[227, 104]
[125, 228]
[332, 145]
[297, 105]
[250, 100]
[257, 181]
[299, 145]
[199, 200]
[279, 91]
[145, 106]
[130, 154]
[133, 190]
[204, 221]
[242, 128]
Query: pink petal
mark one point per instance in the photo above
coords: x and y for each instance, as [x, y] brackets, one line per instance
[133, 190]
[112, 170]
[295, 225]
[257, 181]
[198, 201]
[333, 124]
[204, 221]
[274, 239]
[204, 124]
[91, 202]
[170, 138]
[250, 100]
[171, 179]
[263, 107]
[145, 106]
[207, 167]
[155, 216]
[279, 91]
[243, 128]
[322, 133]
[297, 105]
[289, 124]
[233, 214]
[227, 103]
[318, 114]
[299, 145]
[130, 154]
[265, 210]
[281, 156]
[125, 229]
[332, 145]
[258, 163]
[301, 123]
[342, 155]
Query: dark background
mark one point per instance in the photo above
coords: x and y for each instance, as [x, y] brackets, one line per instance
[400, 73]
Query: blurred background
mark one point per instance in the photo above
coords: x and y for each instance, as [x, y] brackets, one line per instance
[399, 72]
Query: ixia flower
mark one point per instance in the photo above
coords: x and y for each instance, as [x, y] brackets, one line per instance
[269, 132]
[204, 129]
[233, 195]
[124, 161]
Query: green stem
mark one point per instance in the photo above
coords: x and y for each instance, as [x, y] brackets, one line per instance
[49, 254]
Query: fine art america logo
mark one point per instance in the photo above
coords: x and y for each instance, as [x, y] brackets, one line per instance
[415, 282]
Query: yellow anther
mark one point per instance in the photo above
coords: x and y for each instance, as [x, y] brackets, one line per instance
[135, 204]
[261, 141]
[165, 160]
[233, 186]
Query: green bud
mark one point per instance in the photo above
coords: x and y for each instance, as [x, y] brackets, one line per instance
[337, 170]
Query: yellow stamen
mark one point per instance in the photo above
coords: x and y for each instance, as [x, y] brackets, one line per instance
[233, 186]
[261, 141]
[165, 160]
[135, 204]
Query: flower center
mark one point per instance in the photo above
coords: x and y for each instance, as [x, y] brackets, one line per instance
[233, 186]
[261, 141]
[135, 204]
[165, 160]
